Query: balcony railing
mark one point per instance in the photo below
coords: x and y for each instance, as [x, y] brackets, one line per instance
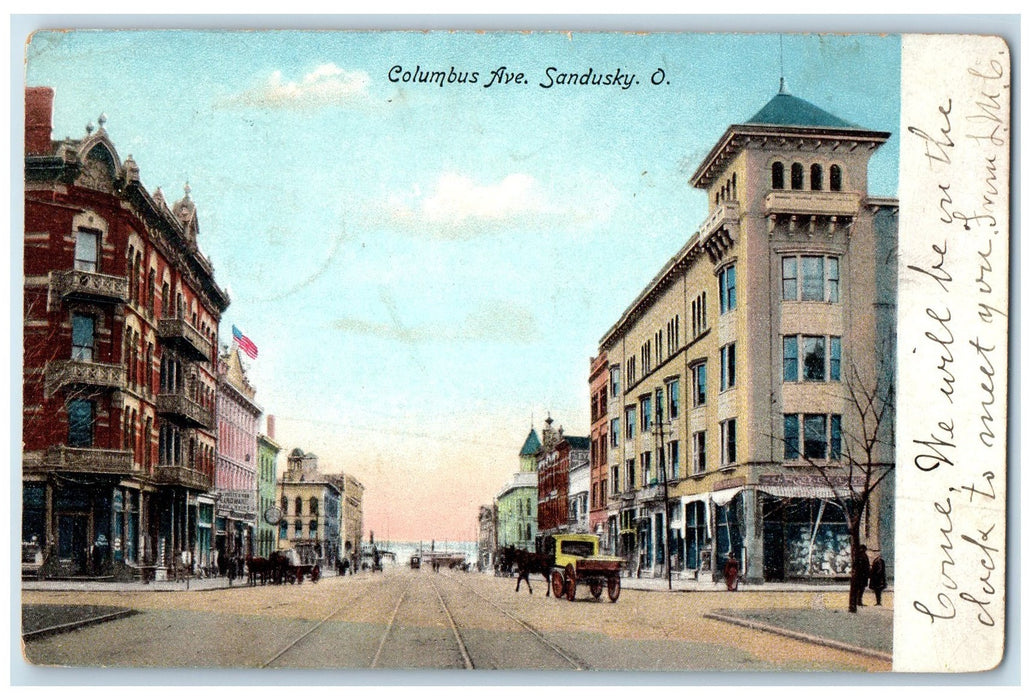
[82, 284]
[652, 493]
[810, 203]
[727, 213]
[93, 460]
[60, 373]
[179, 405]
[179, 333]
[179, 475]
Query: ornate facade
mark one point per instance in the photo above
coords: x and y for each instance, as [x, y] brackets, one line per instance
[121, 323]
[727, 406]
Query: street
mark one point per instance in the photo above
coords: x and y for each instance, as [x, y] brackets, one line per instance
[406, 619]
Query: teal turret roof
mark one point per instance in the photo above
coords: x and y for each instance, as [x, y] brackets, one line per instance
[787, 110]
[531, 445]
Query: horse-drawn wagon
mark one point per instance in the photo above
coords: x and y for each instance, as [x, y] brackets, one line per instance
[576, 560]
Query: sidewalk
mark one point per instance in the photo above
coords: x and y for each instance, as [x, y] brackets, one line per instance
[191, 584]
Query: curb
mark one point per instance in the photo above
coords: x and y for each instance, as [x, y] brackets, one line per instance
[69, 626]
[802, 636]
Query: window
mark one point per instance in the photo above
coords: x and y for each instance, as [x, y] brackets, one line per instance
[728, 362]
[630, 415]
[80, 423]
[615, 479]
[816, 177]
[298, 529]
[698, 447]
[297, 505]
[631, 370]
[86, 247]
[814, 358]
[614, 380]
[820, 278]
[791, 436]
[791, 358]
[82, 338]
[673, 389]
[313, 529]
[658, 405]
[835, 178]
[833, 280]
[646, 469]
[812, 436]
[789, 278]
[797, 176]
[614, 432]
[777, 176]
[631, 475]
[604, 491]
[728, 441]
[646, 413]
[313, 506]
[728, 289]
[698, 375]
[673, 463]
[835, 359]
[812, 278]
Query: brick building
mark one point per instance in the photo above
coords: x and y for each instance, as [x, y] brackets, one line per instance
[599, 381]
[558, 458]
[121, 315]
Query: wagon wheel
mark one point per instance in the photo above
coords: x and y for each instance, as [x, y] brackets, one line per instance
[614, 588]
[570, 582]
[596, 588]
[316, 573]
[557, 586]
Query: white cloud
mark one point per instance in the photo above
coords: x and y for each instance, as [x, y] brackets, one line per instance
[326, 84]
[458, 207]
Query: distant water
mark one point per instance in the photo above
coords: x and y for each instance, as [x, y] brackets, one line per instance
[405, 550]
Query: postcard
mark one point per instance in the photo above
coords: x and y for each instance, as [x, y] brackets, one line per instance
[513, 351]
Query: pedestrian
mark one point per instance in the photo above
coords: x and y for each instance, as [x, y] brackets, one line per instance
[730, 572]
[861, 576]
[878, 578]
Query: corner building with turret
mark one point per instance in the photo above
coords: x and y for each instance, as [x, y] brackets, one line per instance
[727, 402]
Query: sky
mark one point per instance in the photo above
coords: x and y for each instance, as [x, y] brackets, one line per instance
[427, 268]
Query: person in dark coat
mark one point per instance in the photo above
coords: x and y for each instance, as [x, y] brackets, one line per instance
[878, 578]
[730, 572]
[862, 576]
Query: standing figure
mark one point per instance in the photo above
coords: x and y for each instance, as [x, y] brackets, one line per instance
[861, 576]
[730, 572]
[878, 578]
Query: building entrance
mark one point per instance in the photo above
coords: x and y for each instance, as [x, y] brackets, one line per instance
[73, 542]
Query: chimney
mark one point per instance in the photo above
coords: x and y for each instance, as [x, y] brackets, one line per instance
[39, 108]
[270, 426]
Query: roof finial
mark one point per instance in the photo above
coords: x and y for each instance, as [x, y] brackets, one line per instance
[89, 128]
[186, 189]
[102, 119]
[783, 87]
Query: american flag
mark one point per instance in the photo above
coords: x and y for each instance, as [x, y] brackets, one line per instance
[249, 348]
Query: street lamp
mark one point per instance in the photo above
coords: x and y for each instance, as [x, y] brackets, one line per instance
[665, 494]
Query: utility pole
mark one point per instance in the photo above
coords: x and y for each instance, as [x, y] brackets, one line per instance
[665, 493]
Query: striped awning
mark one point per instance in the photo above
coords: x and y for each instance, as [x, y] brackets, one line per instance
[825, 493]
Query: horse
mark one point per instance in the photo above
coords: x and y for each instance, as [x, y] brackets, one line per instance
[258, 569]
[527, 563]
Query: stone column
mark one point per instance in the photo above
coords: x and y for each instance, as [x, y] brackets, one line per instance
[752, 536]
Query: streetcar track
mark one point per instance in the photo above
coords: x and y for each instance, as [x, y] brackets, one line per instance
[454, 628]
[390, 626]
[358, 595]
[569, 657]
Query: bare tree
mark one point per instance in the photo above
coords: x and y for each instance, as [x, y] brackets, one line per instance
[867, 457]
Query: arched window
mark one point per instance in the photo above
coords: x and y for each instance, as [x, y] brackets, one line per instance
[313, 506]
[166, 301]
[313, 529]
[816, 177]
[298, 529]
[297, 506]
[797, 176]
[529, 535]
[283, 503]
[835, 178]
[778, 176]
[733, 186]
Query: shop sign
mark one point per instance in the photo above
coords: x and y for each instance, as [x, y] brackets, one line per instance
[236, 501]
[803, 480]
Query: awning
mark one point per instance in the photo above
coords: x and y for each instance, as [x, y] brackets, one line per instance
[822, 492]
[722, 498]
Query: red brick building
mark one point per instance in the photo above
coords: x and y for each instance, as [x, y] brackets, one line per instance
[554, 458]
[599, 384]
[121, 314]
